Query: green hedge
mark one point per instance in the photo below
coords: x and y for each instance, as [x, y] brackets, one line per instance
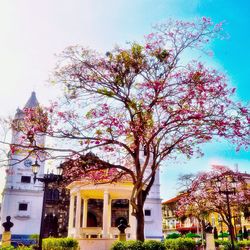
[179, 244]
[173, 236]
[18, 248]
[138, 245]
[7, 248]
[169, 244]
[226, 244]
[60, 244]
[154, 245]
[244, 243]
[192, 235]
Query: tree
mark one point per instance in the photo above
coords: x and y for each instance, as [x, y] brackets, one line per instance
[203, 195]
[135, 107]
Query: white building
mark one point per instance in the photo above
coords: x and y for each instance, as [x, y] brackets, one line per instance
[22, 199]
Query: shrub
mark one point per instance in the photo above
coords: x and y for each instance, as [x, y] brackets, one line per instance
[173, 236]
[128, 245]
[118, 245]
[34, 237]
[192, 235]
[7, 248]
[24, 248]
[179, 244]
[138, 245]
[60, 244]
[244, 243]
[18, 248]
[134, 245]
[226, 244]
[153, 245]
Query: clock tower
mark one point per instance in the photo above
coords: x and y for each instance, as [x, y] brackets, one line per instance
[22, 199]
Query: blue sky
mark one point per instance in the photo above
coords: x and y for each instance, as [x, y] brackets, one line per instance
[31, 32]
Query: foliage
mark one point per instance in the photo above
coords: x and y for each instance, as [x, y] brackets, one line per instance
[223, 235]
[7, 248]
[128, 245]
[192, 235]
[226, 244]
[34, 237]
[153, 245]
[134, 245]
[17, 248]
[135, 107]
[60, 244]
[244, 243]
[204, 195]
[24, 248]
[173, 236]
[138, 245]
[180, 244]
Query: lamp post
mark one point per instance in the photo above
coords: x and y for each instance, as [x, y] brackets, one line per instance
[227, 186]
[46, 179]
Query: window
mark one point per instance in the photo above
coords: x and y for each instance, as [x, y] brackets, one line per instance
[52, 195]
[25, 179]
[23, 207]
[147, 212]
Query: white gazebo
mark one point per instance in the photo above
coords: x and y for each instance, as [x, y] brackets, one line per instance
[96, 210]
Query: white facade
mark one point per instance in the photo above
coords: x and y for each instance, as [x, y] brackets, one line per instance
[153, 221]
[22, 199]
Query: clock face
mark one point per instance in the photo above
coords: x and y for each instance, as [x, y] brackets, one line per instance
[27, 163]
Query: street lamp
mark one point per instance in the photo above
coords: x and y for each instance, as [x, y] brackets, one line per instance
[227, 186]
[46, 179]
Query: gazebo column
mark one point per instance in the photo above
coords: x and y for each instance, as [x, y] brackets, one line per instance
[85, 212]
[71, 213]
[78, 214]
[105, 220]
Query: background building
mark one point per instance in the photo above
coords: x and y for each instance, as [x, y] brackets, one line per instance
[56, 211]
[22, 199]
[171, 223]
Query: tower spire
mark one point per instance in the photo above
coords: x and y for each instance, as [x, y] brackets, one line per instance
[32, 102]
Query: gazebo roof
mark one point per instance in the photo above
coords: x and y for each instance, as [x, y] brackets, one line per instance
[74, 172]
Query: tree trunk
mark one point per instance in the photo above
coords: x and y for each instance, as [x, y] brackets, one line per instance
[140, 217]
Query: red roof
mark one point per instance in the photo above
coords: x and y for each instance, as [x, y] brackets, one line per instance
[173, 200]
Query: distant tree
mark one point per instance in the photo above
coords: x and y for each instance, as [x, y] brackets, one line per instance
[204, 197]
[135, 107]
[185, 181]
